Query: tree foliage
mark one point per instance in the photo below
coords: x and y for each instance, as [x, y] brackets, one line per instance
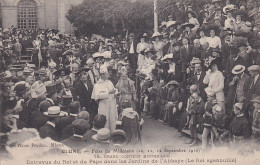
[109, 17]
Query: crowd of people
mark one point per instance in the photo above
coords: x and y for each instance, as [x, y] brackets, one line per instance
[200, 73]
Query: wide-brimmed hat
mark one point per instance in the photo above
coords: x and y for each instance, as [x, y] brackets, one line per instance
[156, 34]
[170, 24]
[184, 25]
[238, 69]
[66, 100]
[54, 111]
[173, 82]
[50, 89]
[254, 68]
[118, 137]
[163, 24]
[102, 135]
[97, 54]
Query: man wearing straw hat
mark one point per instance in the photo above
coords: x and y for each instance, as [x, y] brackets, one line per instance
[49, 129]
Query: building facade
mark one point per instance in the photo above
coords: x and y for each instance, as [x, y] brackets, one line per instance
[50, 14]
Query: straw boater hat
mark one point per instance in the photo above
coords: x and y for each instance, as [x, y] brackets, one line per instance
[118, 137]
[54, 111]
[254, 68]
[97, 54]
[238, 69]
[102, 135]
[156, 34]
[170, 24]
[209, 91]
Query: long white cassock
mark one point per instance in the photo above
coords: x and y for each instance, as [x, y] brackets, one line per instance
[107, 102]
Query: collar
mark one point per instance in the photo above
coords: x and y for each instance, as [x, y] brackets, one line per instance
[50, 123]
[94, 129]
[79, 136]
[240, 115]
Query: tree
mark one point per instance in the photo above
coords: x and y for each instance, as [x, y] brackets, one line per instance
[108, 17]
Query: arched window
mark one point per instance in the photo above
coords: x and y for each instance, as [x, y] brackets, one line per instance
[27, 14]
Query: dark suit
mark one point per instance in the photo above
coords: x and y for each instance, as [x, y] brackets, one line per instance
[199, 82]
[63, 122]
[75, 143]
[85, 100]
[166, 48]
[254, 89]
[196, 52]
[39, 122]
[84, 93]
[225, 52]
[72, 91]
[67, 132]
[48, 131]
[132, 57]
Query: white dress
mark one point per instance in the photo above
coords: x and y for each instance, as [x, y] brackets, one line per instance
[107, 102]
[215, 81]
[141, 47]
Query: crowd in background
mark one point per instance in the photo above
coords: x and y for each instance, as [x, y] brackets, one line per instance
[199, 73]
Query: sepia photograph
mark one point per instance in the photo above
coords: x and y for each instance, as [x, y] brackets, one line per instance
[145, 82]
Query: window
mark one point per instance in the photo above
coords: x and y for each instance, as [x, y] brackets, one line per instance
[27, 14]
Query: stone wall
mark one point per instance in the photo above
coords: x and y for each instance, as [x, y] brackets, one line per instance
[51, 14]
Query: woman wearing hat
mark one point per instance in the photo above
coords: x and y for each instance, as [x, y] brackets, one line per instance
[215, 80]
[158, 44]
[239, 23]
[141, 46]
[187, 32]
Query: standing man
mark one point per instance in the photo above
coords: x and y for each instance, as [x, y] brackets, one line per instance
[254, 89]
[132, 55]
